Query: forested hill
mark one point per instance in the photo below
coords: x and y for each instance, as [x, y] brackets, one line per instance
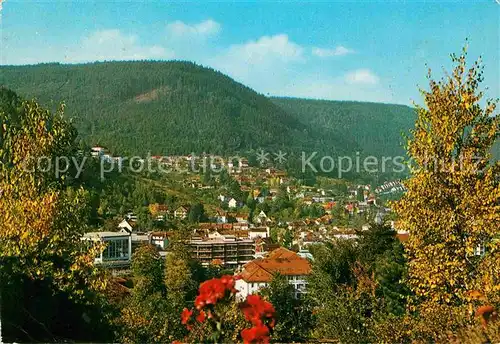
[165, 108]
[180, 107]
[376, 128]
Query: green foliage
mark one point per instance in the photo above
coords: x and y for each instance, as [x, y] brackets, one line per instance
[389, 270]
[331, 266]
[147, 266]
[149, 106]
[375, 241]
[312, 211]
[373, 128]
[150, 315]
[360, 196]
[44, 264]
[354, 286]
[383, 255]
[160, 107]
[294, 316]
[178, 279]
[347, 318]
[342, 294]
[144, 219]
[197, 213]
[451, 205]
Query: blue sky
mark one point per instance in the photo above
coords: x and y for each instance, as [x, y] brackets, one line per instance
[350, 50]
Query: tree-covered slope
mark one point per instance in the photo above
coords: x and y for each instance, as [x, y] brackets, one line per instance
[180, 107]
[376, 128]
[163, 108]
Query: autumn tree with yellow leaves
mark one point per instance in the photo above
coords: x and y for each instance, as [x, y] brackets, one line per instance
[46, 270]
[452, 206]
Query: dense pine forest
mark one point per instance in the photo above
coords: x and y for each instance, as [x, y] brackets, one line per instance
[377, 128]
[159, 107]
[180, 107]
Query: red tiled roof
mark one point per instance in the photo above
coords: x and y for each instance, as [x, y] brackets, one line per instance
[402, 236]
[281, 260]
[236, 233]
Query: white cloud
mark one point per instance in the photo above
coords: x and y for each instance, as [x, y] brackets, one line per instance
[278, 66]
[101, 45]
[263, 64]
[337, 51]
[267, 49]
[361, 77]
[205, 28]
[272, 64]
[114, 45]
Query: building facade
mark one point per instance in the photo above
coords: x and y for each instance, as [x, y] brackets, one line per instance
[258, 273]
[118, 251]
[227, 250]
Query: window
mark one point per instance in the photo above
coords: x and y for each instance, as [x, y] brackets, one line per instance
[480, 250]
[116, 249]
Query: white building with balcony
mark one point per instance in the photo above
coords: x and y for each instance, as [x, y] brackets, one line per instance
[118, 251]
[258, 273]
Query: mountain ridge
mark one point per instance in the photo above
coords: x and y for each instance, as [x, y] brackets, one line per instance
[181, 107]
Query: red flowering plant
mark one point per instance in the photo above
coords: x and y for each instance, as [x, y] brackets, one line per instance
[218, 317]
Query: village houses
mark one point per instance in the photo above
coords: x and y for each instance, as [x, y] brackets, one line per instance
[258, 273]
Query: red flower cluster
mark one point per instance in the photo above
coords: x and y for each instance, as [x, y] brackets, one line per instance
[256, 334]
[201, 317]
[185, 316]
[257, 311]
[213, 290]
[209, 293]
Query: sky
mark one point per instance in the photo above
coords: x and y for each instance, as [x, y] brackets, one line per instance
[376, 51]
